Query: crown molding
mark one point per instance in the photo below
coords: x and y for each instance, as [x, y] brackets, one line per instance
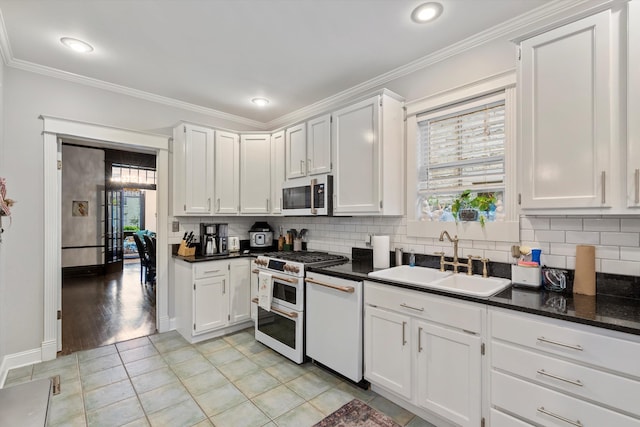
[543, 15]
[101, 84]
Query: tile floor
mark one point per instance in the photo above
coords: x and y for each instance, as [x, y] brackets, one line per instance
[162, 380]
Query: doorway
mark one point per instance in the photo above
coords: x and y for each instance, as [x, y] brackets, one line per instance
[55, 128]
[103, 193]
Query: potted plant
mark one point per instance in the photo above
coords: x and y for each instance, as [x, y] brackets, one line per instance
[462, 209]
[483, 203]
[467, 208]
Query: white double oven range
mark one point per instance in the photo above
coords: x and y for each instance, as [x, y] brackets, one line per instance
[282, 328]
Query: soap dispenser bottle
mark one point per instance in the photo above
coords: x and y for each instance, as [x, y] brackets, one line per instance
[412, 259]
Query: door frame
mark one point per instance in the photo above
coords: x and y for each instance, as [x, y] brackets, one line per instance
[54, 129]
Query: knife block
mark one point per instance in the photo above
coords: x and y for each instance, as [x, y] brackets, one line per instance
[183, 250]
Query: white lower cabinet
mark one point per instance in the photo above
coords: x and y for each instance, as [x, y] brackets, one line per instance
[212, 298]
[449, 372]
[209, 305]
[571, 374]
[387, 353]
[427, 350]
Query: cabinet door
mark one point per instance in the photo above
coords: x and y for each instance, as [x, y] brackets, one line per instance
[319, 145]
[296, 151]
[197, 169]
[633, 106]
[449, 368]
[255, 174]
[240, 291]
[227, 176]
[566, 83]
[356, 145]
[210, 304]
[387, 350]
[277, 171]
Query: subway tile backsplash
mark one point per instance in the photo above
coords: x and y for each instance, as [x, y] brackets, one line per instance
[617, 240]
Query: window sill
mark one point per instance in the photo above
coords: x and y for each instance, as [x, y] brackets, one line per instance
[504, 231]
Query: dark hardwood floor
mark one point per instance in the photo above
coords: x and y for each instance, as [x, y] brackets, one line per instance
[102, 310]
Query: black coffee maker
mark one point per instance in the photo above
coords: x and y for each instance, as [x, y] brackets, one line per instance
[214, 239]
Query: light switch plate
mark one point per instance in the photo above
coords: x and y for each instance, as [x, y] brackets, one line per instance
[175, 226]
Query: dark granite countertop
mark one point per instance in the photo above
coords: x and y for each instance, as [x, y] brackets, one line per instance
[604, 311]
[201, 258]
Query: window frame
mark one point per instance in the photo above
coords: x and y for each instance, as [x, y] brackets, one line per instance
[462, 98]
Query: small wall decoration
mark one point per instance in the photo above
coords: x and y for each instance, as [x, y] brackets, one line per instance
[80, 208]
[5, 203]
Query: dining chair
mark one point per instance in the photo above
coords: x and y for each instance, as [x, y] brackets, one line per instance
[144, 261]
[150, 246]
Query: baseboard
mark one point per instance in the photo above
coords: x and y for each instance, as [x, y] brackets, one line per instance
[83, 270]
[167, 324]
[17, 360]
[427, 416]
[49, 350]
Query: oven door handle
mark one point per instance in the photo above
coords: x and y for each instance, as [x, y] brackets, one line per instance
[289, 314]
[348, 289]
[282, 279]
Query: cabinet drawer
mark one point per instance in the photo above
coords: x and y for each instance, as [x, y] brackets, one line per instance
[209, 269]
[500, 419]
[429, 307]
[586, 344]
[608, 389]
[546, 407]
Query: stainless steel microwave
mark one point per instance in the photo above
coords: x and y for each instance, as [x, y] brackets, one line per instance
[308, 196]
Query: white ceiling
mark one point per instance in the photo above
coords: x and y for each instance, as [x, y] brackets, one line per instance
[219, 54]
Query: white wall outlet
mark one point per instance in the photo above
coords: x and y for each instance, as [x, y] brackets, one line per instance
[367, 239]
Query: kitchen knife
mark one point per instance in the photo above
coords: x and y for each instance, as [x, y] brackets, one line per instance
[185, 236]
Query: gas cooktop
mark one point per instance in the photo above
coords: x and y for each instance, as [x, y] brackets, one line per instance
[310, 258]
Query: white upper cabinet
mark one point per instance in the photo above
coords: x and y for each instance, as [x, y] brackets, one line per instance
[227, 173]
[319, 145]
[277, 171]
[567, 81]
[633, 106]
[193, 170]
[255, 174]
[296, 151]
[308, 148]
[368, 150]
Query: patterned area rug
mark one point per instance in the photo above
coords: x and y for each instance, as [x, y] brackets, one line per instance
[357, 414]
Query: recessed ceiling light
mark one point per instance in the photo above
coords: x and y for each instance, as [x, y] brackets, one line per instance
[260, 102]
[77, 45]
[426, 12]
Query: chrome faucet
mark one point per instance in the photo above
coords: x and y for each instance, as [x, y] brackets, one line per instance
[455, 263]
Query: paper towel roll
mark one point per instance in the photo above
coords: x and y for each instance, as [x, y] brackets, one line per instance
[584, 281]
[380, 251]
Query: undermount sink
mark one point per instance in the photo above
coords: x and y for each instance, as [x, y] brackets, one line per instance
[420, 276]
[460, 283]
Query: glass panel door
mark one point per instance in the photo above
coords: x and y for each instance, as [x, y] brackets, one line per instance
[113, 233]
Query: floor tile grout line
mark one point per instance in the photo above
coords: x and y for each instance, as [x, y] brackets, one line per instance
[131, 384]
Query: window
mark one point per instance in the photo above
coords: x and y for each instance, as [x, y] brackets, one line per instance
[461, 141]
[461, 151]
[126, 174]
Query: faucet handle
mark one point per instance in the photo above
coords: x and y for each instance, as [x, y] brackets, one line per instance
[441, 259]
[485, 261]
[470, 263]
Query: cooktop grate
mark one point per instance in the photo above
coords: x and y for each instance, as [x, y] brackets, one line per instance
[309, 258]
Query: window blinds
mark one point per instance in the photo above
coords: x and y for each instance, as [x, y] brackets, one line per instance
[462, 150]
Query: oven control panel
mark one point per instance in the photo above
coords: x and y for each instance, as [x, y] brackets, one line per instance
[276, 265]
